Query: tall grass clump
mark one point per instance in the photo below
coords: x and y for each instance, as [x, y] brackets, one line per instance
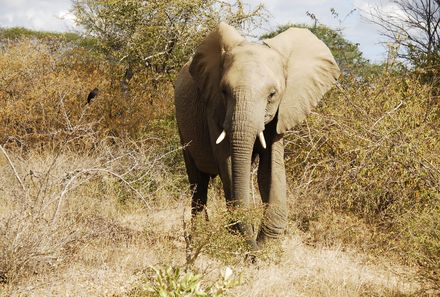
[372, 152]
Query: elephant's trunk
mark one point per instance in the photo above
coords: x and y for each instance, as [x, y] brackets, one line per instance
[244, 130]
[241, 152]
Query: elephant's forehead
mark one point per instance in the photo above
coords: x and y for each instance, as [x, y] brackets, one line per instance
[251, 52]
[252, 62]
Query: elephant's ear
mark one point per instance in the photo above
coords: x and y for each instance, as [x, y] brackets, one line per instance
[206, 64]
[311, 71]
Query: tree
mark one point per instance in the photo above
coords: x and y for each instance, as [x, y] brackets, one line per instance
[159, 34]
[414, 26]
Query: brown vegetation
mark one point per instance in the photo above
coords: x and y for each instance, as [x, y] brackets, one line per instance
[369, 160]
[92, 195]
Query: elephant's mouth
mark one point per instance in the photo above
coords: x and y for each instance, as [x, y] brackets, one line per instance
[269, 116]
[261, 138]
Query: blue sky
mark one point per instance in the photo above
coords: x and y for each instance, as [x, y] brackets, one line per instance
[53, 15]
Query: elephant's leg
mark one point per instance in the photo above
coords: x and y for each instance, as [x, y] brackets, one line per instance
[272, 184]
[198, 183]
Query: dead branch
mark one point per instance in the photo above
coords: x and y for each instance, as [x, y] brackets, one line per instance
[17, 176]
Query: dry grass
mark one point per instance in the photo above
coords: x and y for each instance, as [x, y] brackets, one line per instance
[306, 271]
[53, 204]
[102, 244]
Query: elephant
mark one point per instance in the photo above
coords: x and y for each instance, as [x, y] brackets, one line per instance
[234, 101]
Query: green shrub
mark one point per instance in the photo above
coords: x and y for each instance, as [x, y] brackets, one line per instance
[174, 282]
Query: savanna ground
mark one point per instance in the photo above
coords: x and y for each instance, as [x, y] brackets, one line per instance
[103, 241]
[94, 199]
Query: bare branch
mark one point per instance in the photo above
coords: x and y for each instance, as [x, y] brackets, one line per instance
[17, 176]
[413, 24]
[77, 174]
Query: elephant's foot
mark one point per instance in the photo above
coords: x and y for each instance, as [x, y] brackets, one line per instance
[235, 228]
[240, 228]
[247, 231]
[253, 246]
[251, 256]
[273, 225]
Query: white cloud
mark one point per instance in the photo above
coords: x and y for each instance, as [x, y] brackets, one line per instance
[39, 14]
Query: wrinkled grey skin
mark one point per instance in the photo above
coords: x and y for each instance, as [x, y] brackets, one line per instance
[244, 88]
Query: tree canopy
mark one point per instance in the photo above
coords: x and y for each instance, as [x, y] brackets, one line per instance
[158, 34]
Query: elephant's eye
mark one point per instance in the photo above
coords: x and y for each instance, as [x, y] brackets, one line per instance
[272, 94]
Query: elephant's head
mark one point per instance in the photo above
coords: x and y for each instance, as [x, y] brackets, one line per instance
[281, 79]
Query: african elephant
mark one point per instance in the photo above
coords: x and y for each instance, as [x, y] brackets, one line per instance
[233, 92]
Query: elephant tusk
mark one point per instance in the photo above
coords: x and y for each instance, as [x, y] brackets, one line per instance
[221, 137]
[262, 140]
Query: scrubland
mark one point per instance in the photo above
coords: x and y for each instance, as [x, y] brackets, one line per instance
[94, 198]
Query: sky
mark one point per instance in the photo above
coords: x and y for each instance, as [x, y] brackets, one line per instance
[54, 15]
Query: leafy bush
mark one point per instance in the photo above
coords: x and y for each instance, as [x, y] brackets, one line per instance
[372, 150]
[44, 88]
[421, 233]
[174, 282]
[19, 33]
